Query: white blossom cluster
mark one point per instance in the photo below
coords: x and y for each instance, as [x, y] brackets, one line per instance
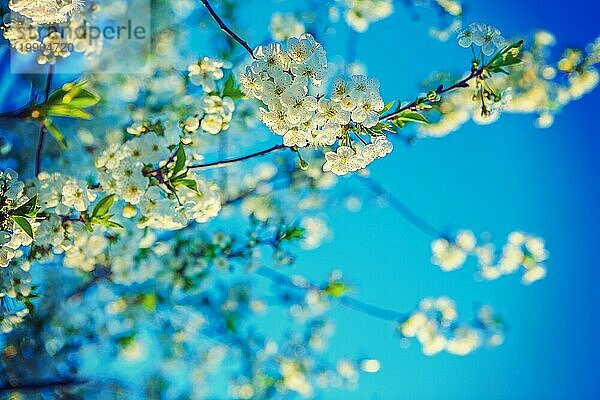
[63, 194]
[85, 251]
[347, 159]
[214, 116]
[12, 236]
[359, 14]
[206, 72]
[121, 172]
[451, 255]
[434, 325]
[15, 281]
[121, 166]
[9, 322]
[521, 250]
[538, 85]
[46, 11]
[316, 232]
[215, 111]
[62, 231]
[485, 36]
[283, 79]
[20, 33]
[23, 30]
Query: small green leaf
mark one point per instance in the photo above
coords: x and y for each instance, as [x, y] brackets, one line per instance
[180, 160]
[24, 224]
[103, 206]
[149, 301]
[187, 182]
[292, 233]
[83, 99]
[380, 127]
[55, 132]
[29, 209]
[29, 306]
[108, 223]
[387, 107]
[230, 323]
[56, 96]
[230, 90]
[113, 224]
[126, 340]
[336, 289]
[505, 57]
[411, 116]
[68, 111]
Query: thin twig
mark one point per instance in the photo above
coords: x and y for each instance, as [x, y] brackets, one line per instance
[226, 29]
[104, 275]
[222, 163]
[40, 146]
[463, 83]
[345, 300]
[409, 215]
[39, 385]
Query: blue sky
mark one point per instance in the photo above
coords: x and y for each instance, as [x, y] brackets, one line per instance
[495, 178]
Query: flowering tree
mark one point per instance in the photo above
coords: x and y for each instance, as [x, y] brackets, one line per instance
[136, 228]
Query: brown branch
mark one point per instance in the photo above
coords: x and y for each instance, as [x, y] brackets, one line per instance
[222, 163]
[345, 300]
[102, 275]
[40, 146]
[409, 215]
[226, 29]
[40, 385]
[463, 83]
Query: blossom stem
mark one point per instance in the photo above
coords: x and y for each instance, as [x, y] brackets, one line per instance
[20, 113]
[409, 215]
[345, 300]
[463, 83]
[219, 164]
[226, 29]
[38, 385]
[40, 146]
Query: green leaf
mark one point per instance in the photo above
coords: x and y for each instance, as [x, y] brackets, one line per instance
[149, 301]
[29, 209]
[29, 306]
[187, 182]
[68, 111]
[103, 206]
[107, 223]
[292, 233]
[126, 340]
[387, 107]
[505, 57]
[411, 116]
[230, 90]
[55, 132]
[84, 98]
[180, 160]
[56, 96]
[24, 224]
[113, 224]
[336, 289]
[380, 127]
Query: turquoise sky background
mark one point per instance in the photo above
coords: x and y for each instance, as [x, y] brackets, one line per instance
[496, 178]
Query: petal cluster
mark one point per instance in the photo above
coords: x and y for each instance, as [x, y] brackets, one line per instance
[285, 79]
